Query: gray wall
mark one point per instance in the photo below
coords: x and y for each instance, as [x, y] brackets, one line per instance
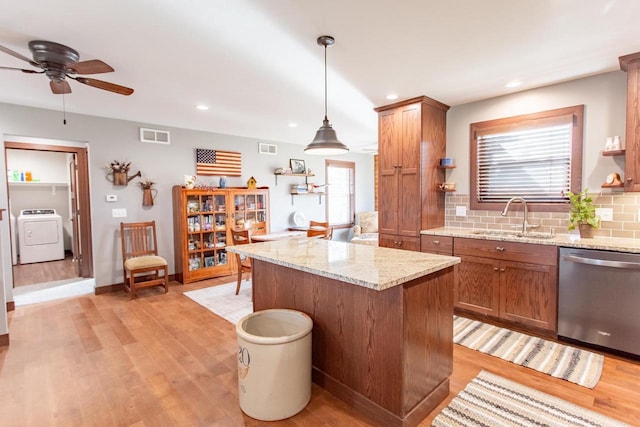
[604, 97]
[110, 139]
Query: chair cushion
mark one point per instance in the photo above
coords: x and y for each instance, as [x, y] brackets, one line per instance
[368, 222]
[147, 261]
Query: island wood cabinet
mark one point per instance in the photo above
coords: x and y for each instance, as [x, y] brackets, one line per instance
[202, 221]
[631, 64]
[411, 141]
[508, 281]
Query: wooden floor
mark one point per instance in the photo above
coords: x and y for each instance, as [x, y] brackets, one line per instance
[41, 272]
[163, 360]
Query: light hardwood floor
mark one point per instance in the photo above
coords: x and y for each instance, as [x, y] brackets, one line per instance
[40, 272]
[162, 360]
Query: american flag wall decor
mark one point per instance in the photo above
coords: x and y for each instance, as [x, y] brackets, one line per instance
[218, 162]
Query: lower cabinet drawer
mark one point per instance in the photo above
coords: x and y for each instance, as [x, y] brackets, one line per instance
[436, 244]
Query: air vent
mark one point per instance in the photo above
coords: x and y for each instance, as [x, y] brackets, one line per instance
[154, 136]
[265, 148]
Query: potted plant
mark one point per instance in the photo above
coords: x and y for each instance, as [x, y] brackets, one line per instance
[119, 172]
[147, 191]
[582, 213]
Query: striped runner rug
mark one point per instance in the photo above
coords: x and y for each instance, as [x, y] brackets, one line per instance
[561, 361]
[490, 400]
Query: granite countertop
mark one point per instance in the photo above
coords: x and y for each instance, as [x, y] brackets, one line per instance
[369, 266]
[565, 240]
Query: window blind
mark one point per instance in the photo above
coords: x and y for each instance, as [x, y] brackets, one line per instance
[533, 163]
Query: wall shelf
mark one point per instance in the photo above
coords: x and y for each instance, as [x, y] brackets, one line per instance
[305, 175]
[446, 167]
[37, 184]
[621, 185]
[310, 193]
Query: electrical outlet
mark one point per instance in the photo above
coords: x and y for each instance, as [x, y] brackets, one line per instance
[605, 214]
[119, 213]
[461, 211]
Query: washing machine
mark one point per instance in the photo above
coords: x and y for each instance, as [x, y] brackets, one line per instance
[40, 235]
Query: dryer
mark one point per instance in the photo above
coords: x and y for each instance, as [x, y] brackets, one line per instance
[40, 235]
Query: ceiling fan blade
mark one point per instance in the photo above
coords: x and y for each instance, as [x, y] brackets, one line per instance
[111, 87]
[93, 66]
[23, 70]
[19, 56]
[60, 86]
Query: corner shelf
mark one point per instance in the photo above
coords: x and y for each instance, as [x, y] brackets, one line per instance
[614, 153]
[445, 167]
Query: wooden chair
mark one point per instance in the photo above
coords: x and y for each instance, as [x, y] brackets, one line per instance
[320, 229]
[140, 255]
[258, 228]
[241, 237]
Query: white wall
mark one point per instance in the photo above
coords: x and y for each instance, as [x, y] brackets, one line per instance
[110, 139]
[604, 97]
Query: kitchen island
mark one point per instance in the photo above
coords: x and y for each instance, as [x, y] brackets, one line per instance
[383, 320]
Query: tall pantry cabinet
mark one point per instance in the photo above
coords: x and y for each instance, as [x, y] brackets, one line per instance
[411, 142]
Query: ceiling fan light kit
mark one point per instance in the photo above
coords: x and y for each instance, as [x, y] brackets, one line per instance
[326, 141]
[58, 62]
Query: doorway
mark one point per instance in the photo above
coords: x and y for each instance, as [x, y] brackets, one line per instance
[50, 187]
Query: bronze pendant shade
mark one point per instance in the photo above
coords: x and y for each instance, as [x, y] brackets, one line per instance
[326, 141]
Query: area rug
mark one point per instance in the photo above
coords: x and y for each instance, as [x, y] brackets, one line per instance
[223, 301]
[490, 400]
[561, 361]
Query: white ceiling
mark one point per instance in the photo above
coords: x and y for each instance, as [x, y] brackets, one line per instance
[257, 66]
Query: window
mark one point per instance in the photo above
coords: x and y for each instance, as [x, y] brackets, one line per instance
[535, 156]
[341, 193]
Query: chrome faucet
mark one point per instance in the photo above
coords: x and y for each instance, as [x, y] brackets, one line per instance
[524, 218]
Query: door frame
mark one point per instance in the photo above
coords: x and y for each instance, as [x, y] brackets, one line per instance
[83, 194]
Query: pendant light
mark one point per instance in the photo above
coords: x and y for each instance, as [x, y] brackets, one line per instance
[326, 141]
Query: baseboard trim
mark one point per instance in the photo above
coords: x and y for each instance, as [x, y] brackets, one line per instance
[100, 290]
[4, 340]
[117, 287]
[11, 305]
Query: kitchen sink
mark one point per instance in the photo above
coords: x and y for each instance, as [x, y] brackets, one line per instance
[527, 235]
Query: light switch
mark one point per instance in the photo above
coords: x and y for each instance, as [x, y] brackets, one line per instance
[605, 214]
[119, 213]
[461, 211]
[112, 197]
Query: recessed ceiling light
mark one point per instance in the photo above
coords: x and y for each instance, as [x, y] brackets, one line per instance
[202, 107]
[293, 125]
[392, 96]
[513, 83]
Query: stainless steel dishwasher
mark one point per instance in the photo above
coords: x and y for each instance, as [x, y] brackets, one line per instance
[599, 298]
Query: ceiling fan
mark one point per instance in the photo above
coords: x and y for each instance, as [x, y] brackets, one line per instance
[58, 62]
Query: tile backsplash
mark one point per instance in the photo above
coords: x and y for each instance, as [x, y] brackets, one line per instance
[625, 223]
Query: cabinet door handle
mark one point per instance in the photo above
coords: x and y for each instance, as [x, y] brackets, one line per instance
[499, 248]
[495, 268]
[502, 269]
[436, 242]
[629, 179]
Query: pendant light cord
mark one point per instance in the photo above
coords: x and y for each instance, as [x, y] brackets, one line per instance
[325, 82]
